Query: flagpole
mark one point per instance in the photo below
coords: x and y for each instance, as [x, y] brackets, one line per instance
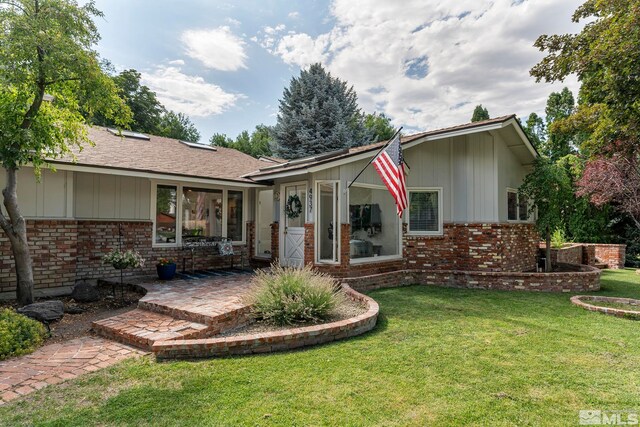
[374, 157]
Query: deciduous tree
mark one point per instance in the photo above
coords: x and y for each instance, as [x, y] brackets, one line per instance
[480, 113]
[46, 50]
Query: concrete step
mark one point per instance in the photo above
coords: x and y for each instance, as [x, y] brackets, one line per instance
[141, 328]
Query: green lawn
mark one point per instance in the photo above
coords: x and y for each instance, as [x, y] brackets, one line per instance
[438, 356]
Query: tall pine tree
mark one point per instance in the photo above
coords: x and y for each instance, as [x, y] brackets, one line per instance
[318, 113]
[480, 113]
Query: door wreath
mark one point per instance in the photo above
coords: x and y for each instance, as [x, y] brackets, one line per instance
[293, 207]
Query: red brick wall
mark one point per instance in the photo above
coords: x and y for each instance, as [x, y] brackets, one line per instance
[275, 241]
[51, 268]
[612, 255]
[583, 279]
[570, 254]
[68, 250]
[486, 247]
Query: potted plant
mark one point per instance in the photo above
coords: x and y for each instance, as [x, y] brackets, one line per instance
[121, 260]
[166, 268]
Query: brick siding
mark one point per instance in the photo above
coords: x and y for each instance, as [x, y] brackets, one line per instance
[64, 251]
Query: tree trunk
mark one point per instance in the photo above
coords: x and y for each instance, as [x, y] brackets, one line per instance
[16, 230]
[548, 267]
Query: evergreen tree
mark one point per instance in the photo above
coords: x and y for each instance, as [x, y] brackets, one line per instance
[480, 113]
[318, 113]
[536, 130]
[560, 142]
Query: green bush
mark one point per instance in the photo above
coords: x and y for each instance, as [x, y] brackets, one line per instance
[19, 334]
[558, 239]
[287, 296]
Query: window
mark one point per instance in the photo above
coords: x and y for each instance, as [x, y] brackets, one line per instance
[234, 215]
[166, 214]
[188, 212]
[201, 212]
[375, 225]
[424, 212]
[327, 222]
[517, 207]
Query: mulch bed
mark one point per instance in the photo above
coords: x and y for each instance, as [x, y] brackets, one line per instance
[77, 325]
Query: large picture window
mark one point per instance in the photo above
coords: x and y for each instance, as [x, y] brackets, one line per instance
[424, 212]
[375, 225]
[199, 212]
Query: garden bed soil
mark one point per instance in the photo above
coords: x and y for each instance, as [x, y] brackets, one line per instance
[78, 325]
[348, 310]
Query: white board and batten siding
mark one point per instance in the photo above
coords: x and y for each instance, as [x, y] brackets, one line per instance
[49, 197]
[463, 166]
[101, 196]
[511, 173]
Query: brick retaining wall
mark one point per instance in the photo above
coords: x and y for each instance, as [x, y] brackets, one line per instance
[585, 278]
[286, 339]
[613, 255]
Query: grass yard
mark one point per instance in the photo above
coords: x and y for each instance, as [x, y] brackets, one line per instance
[438, 356]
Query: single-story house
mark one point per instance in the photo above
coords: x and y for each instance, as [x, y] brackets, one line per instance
[152, 194]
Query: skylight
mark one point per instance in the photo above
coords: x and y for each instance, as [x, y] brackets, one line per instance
[129, 134]
[197, 145]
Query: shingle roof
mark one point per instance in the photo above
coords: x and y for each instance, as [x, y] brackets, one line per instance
[312, 161]
[164, 156]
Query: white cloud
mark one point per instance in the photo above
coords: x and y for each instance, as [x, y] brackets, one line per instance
[416, 60]
[269, 36]
[217, 48]
[176, 62]
[233, 22]
[293, 15]
[187, 94]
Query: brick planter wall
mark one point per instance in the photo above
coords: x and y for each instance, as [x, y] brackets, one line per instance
[569, 254]
[585, 278]
[266, 342]
[632, 313]
[68, 250]
[612, 255]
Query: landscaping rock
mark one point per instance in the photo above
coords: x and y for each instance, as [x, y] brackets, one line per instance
[73, 309]
[46, 311]
[86, 291]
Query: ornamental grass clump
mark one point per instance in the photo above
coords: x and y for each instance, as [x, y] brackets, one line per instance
[289, 296]
[19, 334]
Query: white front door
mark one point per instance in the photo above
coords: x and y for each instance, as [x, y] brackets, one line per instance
[294, 215]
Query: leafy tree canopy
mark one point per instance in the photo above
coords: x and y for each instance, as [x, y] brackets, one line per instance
[178, 126]
[256, 144]
[318, 113]
[480, 113]
[379, 126]
[604, 57]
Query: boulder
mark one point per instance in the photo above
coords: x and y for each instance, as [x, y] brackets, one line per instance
[45, 312]
[73, 309]
[86, 291]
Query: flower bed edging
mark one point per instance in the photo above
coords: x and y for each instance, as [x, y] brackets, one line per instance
[579, 300]
[286, 339]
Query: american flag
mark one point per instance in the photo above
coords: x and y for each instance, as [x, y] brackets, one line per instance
[390, 166]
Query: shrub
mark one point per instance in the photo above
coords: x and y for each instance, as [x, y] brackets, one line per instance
[19, 334]
[558, 239]
[287, 296]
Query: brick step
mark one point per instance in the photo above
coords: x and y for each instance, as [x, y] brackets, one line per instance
[601, 265]
[141, 328]
[220, 320]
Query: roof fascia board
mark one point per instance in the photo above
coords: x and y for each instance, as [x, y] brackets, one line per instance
[152, 175]
[522, 135]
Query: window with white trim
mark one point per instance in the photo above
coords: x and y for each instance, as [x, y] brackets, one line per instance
[183, 211]
[425, 216]
[517, 207]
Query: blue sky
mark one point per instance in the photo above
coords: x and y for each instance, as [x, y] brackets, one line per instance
[424, 63]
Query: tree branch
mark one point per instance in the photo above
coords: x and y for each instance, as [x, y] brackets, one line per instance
[17, 6]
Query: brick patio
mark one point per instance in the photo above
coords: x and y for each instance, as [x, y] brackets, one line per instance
[180, 309]
[55, 363]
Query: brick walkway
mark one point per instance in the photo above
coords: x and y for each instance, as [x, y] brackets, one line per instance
[55, 363]
[172, 310]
